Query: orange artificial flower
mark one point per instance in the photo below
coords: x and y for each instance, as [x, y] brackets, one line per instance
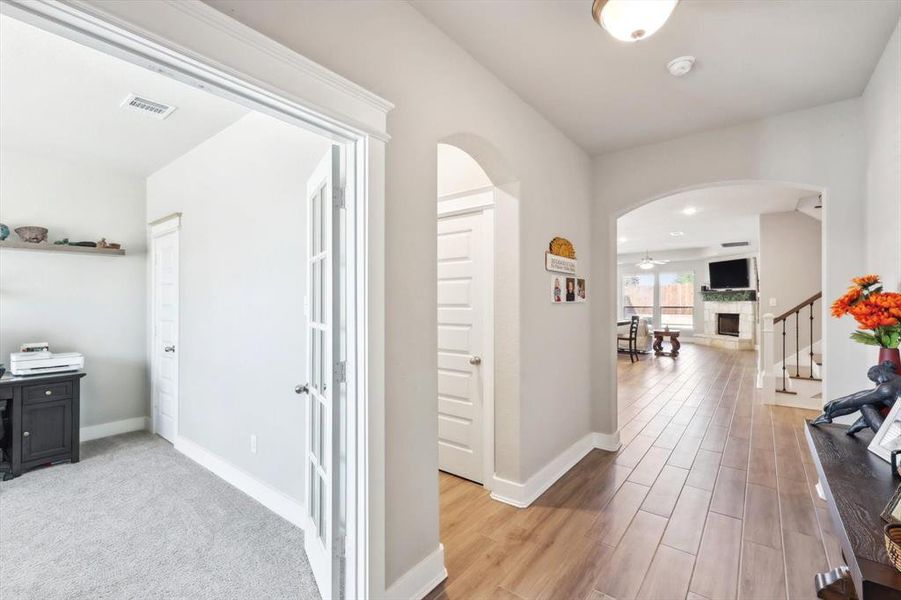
[866, 280]
[842, 306]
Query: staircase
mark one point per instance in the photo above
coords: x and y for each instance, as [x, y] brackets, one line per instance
[791, 374]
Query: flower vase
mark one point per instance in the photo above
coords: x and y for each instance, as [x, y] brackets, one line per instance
[892, 355]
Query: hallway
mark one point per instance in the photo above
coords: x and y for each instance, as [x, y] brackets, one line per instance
[711, 497]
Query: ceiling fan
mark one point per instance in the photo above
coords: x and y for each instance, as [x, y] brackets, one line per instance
[648, 263]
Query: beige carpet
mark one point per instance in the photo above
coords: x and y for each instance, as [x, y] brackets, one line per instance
[135, 519]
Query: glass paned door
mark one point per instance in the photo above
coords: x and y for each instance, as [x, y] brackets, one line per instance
[322, 416]
[638, 296]
[677, 299]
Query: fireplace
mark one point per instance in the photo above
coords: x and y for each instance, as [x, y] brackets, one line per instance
[727, 324]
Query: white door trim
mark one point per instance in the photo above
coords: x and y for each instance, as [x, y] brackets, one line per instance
[482, 202]
[160, 227]
[196, 44]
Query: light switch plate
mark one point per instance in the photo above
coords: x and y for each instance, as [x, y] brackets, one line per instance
[772, 302]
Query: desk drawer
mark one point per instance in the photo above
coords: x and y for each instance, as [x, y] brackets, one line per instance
[46, 391]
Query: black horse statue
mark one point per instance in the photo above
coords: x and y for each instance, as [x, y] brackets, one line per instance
[870, 403]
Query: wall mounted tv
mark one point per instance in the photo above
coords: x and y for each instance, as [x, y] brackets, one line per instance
[729, 274]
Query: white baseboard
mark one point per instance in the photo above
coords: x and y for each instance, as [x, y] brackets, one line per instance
[95, 432]
[421, 579]
[522, 495]
[288, 508]
[607, 441]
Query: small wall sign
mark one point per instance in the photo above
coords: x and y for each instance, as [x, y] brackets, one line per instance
[560, 264]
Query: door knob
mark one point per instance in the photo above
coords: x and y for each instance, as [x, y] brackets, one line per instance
[302, 389]
[475, 360]
[26, 433]
[169, 349]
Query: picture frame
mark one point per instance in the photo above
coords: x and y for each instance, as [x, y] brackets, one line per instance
[892, 511]
[888, 438]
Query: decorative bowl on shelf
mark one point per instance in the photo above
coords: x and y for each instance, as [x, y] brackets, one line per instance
[893, 543]
[32, 234]
[4, 231]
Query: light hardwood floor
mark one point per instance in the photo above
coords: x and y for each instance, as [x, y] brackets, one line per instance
[711, 497]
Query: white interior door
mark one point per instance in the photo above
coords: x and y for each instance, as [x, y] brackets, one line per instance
[323, 287]
[463, 302]
[164, 350]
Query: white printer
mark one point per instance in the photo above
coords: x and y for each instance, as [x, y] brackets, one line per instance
[42, 362]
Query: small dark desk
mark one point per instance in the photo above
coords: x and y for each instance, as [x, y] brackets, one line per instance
[43, 416]
[857, 484]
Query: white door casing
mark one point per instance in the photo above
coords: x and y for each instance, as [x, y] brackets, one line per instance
[465, 344]
[164, 315]
[323, 419]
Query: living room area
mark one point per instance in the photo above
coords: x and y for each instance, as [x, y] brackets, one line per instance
[704, 266]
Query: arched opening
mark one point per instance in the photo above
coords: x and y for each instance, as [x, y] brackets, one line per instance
[477, 279]
[712, 273]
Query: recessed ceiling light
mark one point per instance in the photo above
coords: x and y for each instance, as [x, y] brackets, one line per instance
[680, 66]
[677, 233]
[689, 210]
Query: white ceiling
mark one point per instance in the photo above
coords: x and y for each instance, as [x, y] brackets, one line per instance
[754, 59]
[62, 99]
[724, 214]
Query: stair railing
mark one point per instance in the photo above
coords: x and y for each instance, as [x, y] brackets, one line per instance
[784, 322]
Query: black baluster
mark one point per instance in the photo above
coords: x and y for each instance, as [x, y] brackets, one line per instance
[783, 356]
[811, 339]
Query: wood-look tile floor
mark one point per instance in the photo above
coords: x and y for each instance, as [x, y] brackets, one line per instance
[711, 497]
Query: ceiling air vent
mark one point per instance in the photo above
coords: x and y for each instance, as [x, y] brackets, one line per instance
[734, 244]
[157, 110]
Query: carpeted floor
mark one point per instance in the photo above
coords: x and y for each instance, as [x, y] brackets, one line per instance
[135, 519]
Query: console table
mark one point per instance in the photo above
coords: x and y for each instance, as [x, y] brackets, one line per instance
[857, 485]
[42, 413]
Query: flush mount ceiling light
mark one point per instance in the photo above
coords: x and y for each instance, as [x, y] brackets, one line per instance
[677, 233]
[689, 210]
[623, 239]
[632, 20]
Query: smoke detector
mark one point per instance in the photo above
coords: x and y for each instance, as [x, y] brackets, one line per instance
[151, 108]
[680, 66]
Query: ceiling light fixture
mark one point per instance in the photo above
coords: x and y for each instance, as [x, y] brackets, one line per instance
[677, 233]
[632, 20]
[689, 210]
[648, 263]
[622, 239]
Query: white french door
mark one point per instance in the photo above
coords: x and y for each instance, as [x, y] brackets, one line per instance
[321, 540]
[164, 343]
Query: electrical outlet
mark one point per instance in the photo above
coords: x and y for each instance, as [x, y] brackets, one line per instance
[253, 443]
[772, 302]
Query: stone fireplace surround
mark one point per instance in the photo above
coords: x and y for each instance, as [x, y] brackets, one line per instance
[747, 323]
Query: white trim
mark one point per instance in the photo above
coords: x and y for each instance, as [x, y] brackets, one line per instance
[286, 507]
[522, 495]
[465, 202]
[609, 442]
[95, 432]
[467, 193]
[416, 583]
[165, 224]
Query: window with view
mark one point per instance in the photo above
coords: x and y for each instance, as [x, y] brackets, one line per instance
[638, 296]
[677, 299]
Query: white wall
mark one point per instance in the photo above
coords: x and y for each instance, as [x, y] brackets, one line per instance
[882, 100]
[791, 270]
[439, 90]
[458, 172]
[821, 147]
[243, 278]
[78, 302]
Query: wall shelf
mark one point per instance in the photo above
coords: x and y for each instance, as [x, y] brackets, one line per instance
[50, 247]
